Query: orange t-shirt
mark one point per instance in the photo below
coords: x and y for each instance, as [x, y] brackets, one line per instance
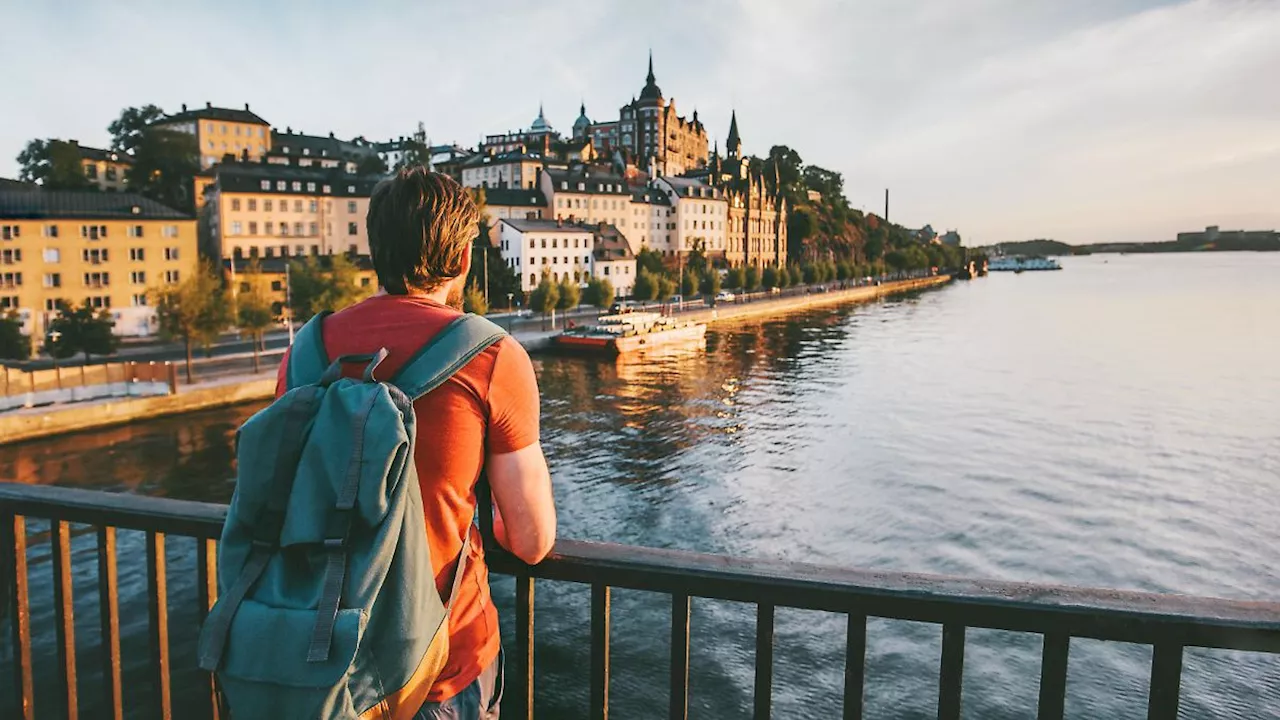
[489, 406]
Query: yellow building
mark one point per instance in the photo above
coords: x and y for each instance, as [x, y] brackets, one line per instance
[109, 249]
[104, 168]
[222, 131]
[268, 210]
[271, 279]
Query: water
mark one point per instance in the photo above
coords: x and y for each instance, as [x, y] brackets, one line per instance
[1116, 424]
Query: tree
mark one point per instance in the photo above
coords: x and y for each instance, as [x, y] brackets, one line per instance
[195, 310]
[81, 330]
[809, 272]
[666, 288]
[253, 310]
[54, 164]
[473, 301]
[546, 296]
[769, 279]
[844, 270]
[164, 167]
[314, 287]
[688, 283]
[784, 277]
[646, 286]
[711, 282]
[372, 164]
[751, 278]
[13, 344]
[896, 259]
[801, 225]
[789, 168]
[736, 278]
[570, 294]
[828, 182]
[128, 130]
[599, 293]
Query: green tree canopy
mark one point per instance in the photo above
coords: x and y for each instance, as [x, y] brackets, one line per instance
[736, 278]
[195, 310]
[599, 293]
[751, 278]
[54, 164]
[689, 283]
[254, 315]
[651, 261]
[473, 301]
[666, 288]
[646, 286]
[769, 278]
[328, 283]
[711, 282]
[14, 345]
[128, 130]
[164, 167]
[80, 330]
[372, 164]
[570, 294]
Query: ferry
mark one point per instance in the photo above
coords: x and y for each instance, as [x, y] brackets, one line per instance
[1018, 263]
[626, 332]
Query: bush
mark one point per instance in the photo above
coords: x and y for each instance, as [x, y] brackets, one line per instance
[736, 278]
[13, 344]
[770, 278]
[784, 277]
[711, 282]
[751, 278]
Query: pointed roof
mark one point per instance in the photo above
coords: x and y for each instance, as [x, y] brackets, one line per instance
[735, 142]
[651, 90]
[583, 121]
[540, 122]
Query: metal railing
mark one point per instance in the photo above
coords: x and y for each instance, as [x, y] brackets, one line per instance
[1169, 623]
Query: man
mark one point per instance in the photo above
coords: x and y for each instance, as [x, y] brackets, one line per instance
[421, 227]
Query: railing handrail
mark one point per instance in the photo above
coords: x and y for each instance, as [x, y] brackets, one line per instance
[1119, 615]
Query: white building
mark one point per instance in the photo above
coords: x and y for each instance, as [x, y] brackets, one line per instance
[565, 250]
[516, 169]
[652, 224]
[587, 194]
[700, 212]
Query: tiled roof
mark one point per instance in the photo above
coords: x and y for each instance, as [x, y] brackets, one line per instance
[17, 185]
[100, 155]
[514, 197]
[611, 244]
[248, 177]
[526, 225]
[482, 159]
[595, 181]
[318, 146]
[86, 204]
[209, 112]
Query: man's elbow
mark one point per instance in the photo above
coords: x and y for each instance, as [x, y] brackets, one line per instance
[532, 549]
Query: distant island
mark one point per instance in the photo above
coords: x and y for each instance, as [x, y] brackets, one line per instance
[1211, 239]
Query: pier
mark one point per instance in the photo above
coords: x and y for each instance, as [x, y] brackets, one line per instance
[1169, 624]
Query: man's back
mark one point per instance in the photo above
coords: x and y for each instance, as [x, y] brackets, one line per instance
[489, 407]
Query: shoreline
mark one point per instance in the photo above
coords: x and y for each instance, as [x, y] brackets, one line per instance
[49, 421]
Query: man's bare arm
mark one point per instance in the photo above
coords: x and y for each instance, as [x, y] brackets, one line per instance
[525, 518]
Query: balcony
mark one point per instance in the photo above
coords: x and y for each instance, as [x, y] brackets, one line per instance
[1168, 623]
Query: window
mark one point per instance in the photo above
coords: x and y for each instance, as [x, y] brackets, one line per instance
[95, 256]
[235, 204]
[236, 228]
[297, 228]
[277, 285]
[139, 300]
[134, 231]
[265, 185]
[533, 279]
[253, 205]
[53, 280]
[50, 304]
[544, 260]
[531, 243]
[269, 228]
[555, 261]
[351, 207]
[11, 256]
[311, 187]
[364, 281]
[326, 189]
[224, 128]
[171, 276]
[92, 232]
[311, 206]
[353, 228]
[314, 230]
[297, 186]
[97, 279]
[271, 252]
[297, 206]
[170, 231]
[99, 302]
[50, 231]
[10, 232]
[52, 255]
[253, 228]
[138, 277]
[9, 302]
[544, 243]
[553, 243]
[91, 172]
[171, 253]
[280, 184]
[351, 189]
[284, 229]
[315, 249]
[301, 249]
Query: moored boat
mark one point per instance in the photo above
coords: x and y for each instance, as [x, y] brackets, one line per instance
[1017, 263]
[628, 332]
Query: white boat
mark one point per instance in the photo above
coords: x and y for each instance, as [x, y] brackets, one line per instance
[1017, 263]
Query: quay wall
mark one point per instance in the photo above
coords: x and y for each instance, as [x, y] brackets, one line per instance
[38, 422]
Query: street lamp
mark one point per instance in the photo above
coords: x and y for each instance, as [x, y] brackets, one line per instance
[288, 300]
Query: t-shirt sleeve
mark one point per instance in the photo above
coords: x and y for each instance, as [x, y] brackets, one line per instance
[513, 400]
[282, 374]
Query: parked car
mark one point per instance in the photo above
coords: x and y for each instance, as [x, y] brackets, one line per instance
[621, 307]
[725, 296]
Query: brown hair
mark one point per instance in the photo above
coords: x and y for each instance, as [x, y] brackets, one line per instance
[420, 225]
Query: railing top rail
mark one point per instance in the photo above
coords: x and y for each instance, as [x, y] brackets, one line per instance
[1083, 612]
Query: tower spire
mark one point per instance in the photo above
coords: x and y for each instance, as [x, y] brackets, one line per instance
[734, 144]
[649, 78]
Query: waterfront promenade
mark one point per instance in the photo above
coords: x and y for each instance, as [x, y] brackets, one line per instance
[37, 422]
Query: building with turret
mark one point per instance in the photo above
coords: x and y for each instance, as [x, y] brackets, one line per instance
[756, 223]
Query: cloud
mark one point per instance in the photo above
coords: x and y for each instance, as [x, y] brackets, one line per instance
[1006, 119]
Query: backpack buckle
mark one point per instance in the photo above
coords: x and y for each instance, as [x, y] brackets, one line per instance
[338, 528]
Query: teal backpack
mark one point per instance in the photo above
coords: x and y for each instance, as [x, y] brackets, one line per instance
[328, 607]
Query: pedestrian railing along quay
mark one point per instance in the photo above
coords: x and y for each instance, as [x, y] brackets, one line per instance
[1168, 623]
[31, 388]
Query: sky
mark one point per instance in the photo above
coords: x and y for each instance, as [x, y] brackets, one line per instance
[1079, 120]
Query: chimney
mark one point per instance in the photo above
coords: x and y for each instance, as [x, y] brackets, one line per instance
[208, 105]
[560, 222]
[246, 107]
[531, 215]
[288, 130]
[331, 136]
[184, 107]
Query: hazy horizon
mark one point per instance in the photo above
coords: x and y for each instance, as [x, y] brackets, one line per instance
[1082, 122]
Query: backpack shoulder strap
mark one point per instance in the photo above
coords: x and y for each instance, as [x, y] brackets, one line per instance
[446, 353]
[307, 358]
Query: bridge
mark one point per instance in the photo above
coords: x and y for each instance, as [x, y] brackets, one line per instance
[1168, 623]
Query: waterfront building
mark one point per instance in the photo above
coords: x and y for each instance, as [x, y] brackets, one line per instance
[756, 222]
[652, 223]
[516, 168]
[576, 251]
[651, 133]
[290, 148]
[222, 131]
[502, 203]
[701, 211]
[109, 249]
[104, 168]
[270, 210]
[589, 193]
[1213, 234]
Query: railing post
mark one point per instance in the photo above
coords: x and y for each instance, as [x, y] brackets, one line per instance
[1166, 681]
[109, 609]
[14, 540]
[207, 595]
[680, 607]
[64, 611]
[599, 652]
[524, 647]
[158, 624]
[855, 666]
[764, 661]
[1053, 676]
[173, 377]
[952, 678]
